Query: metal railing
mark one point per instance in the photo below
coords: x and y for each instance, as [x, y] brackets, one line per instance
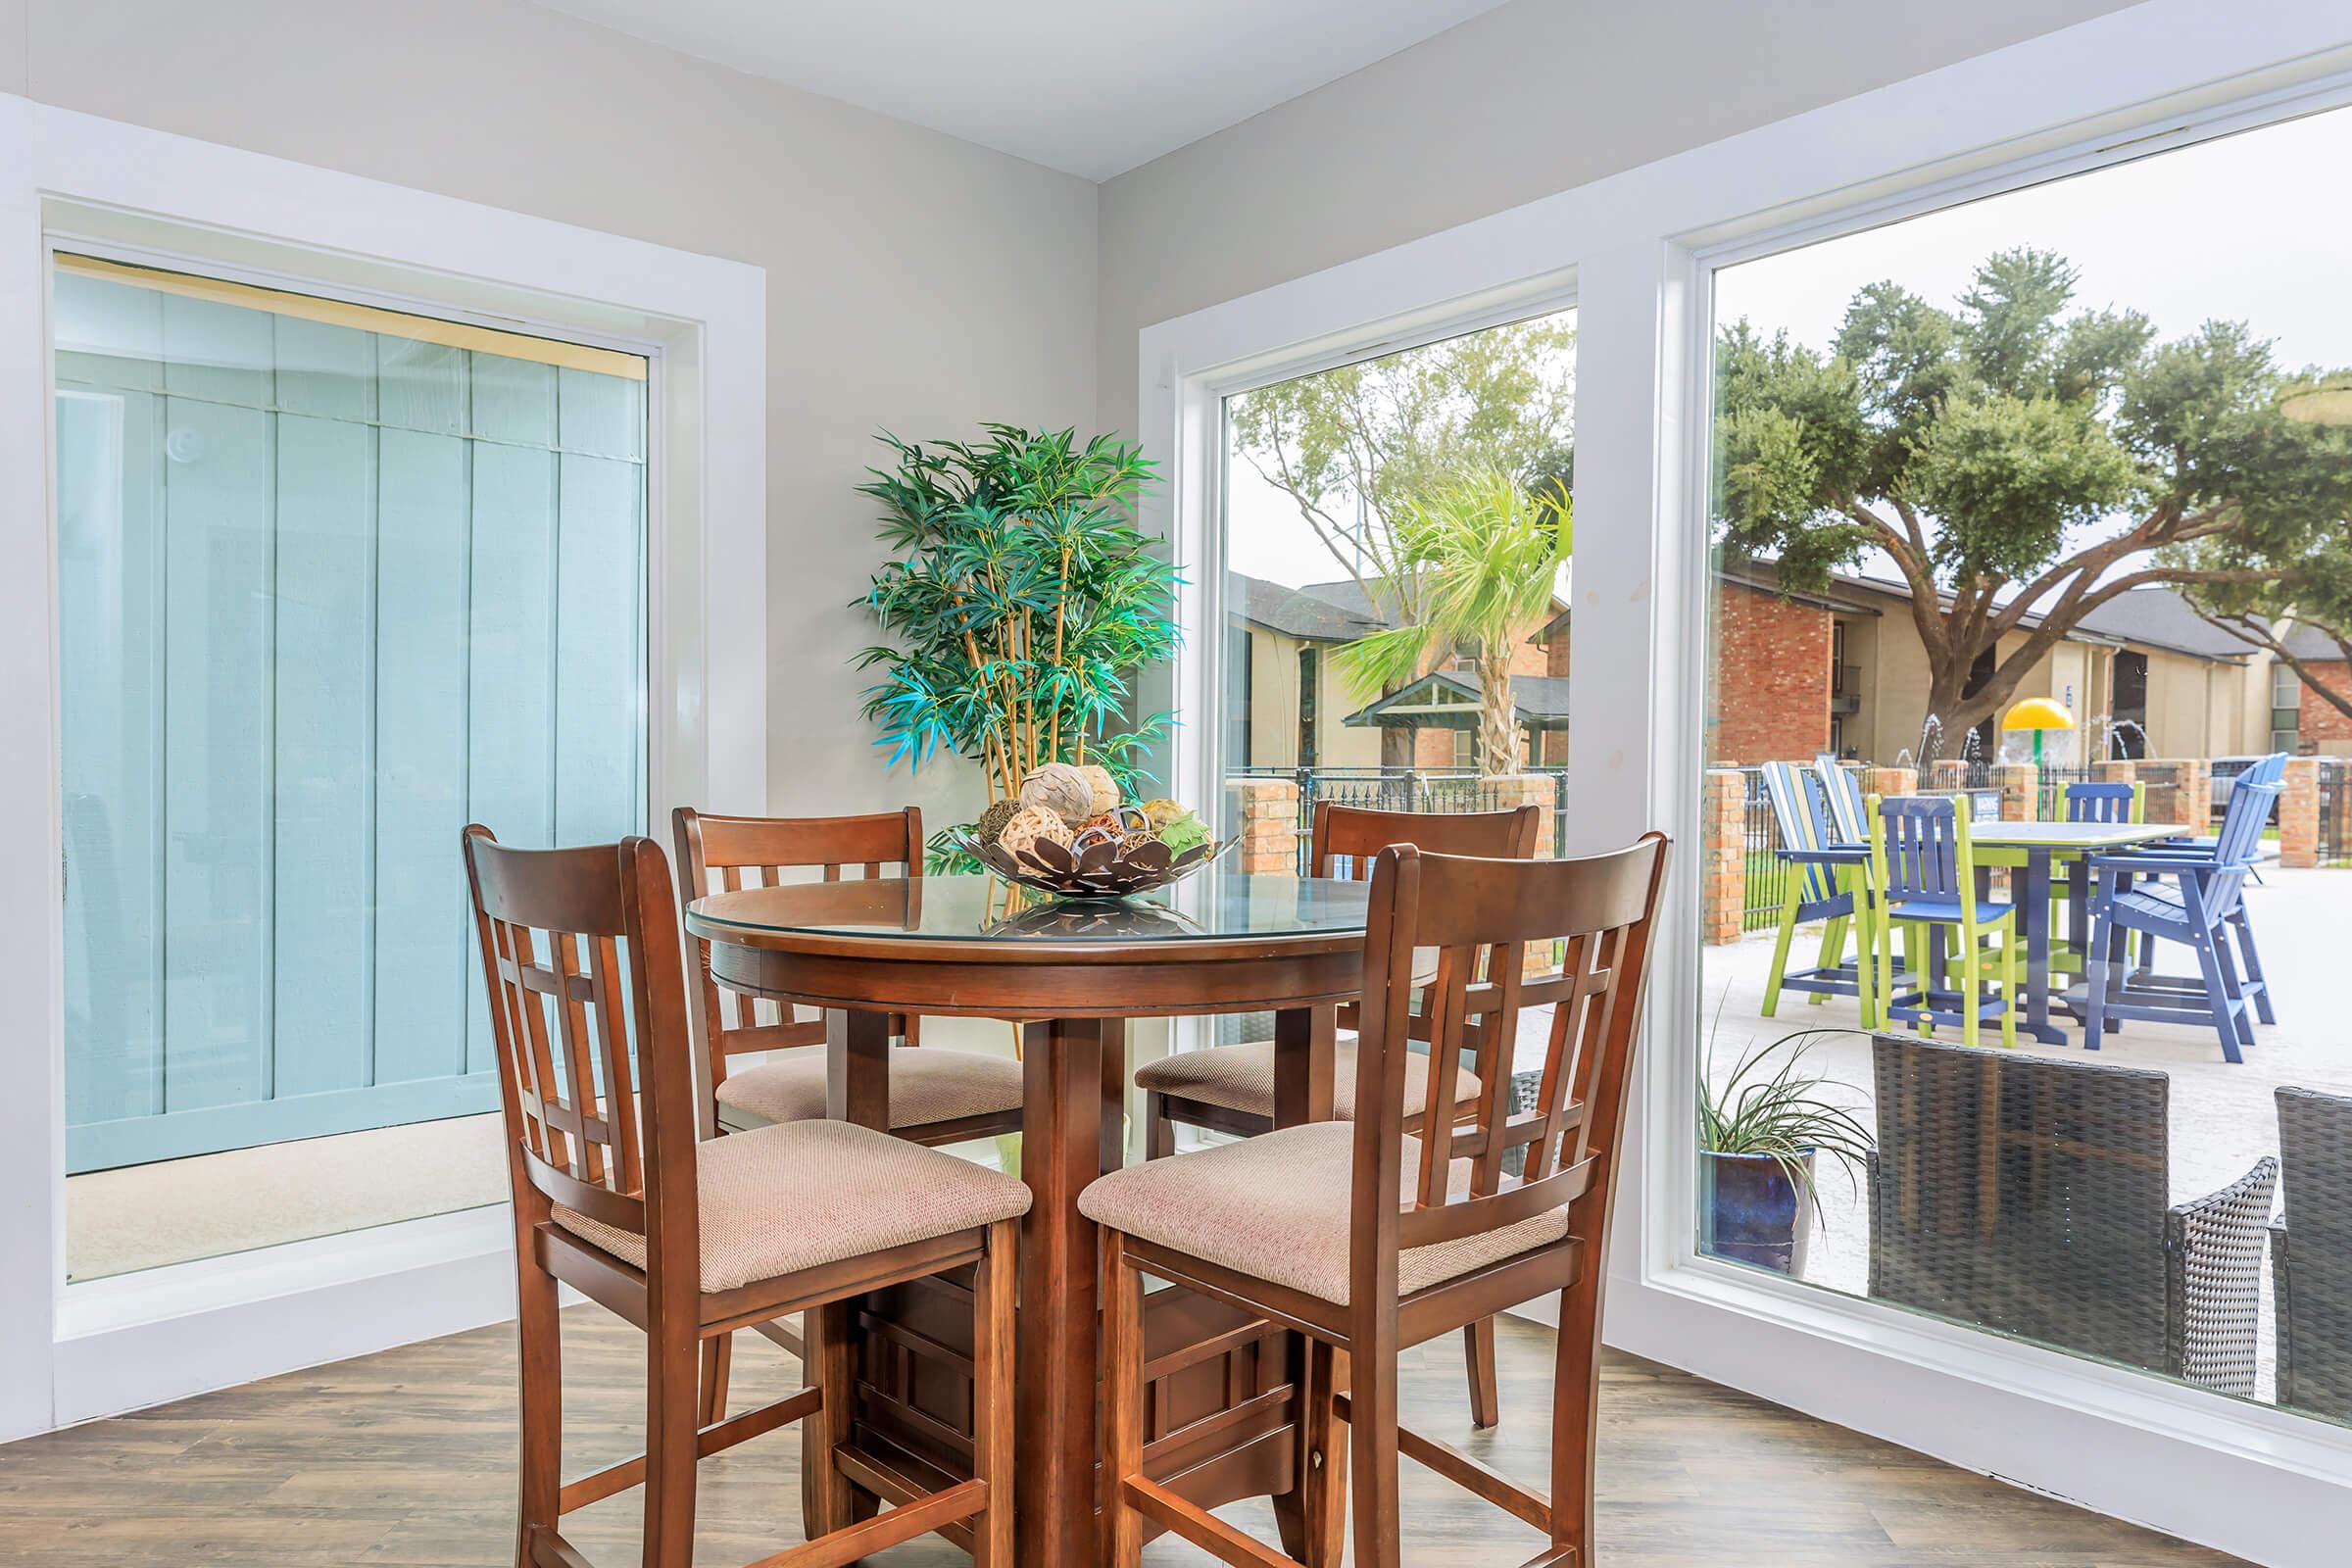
[1763, 874]
[2335, 813]
[1416, 788]
[2051, 806]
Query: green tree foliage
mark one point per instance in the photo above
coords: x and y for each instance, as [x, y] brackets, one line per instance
[1392, 429]
[1487, 555]
[1020, 600]
[2012, 456]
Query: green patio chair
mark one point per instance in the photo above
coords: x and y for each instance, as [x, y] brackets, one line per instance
[1821, 884]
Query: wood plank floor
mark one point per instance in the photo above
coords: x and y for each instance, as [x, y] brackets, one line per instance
[407, 1458]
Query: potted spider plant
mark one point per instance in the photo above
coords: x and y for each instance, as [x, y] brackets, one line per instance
[1761, 1130]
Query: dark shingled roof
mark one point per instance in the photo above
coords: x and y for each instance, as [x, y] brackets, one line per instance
[2160, 617]
[1320, 612]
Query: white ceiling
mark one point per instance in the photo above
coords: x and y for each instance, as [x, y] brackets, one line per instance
[1091, 86]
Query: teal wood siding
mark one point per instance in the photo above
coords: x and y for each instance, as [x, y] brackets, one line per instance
[325, 596]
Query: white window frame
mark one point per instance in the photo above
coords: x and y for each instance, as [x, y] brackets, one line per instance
[1637, 251]
[78, 181]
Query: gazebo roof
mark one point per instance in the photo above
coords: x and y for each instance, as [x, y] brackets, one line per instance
[1444, 700]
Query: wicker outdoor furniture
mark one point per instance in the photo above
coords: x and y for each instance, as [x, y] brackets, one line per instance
[2029, 1194]
[2311, 1281]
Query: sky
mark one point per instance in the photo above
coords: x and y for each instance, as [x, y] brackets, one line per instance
[2255, 226]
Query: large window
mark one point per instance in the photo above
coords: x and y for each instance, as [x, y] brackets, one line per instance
[2013, 506]
[333, 583]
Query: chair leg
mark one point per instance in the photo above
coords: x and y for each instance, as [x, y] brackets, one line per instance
[1833, 952]
[1575, 1410]
[1122, 1405]
[996, 1291]
[1969, 982]
[1323, 1482]
[1780, 945]
[717, 1356]
[2217, 995]
[2239, 1013]
[539, 1327]
[1159, 1133]
[2010, 1000]
[1372, 1417]
[826, 1490]
[672, 1401]
[2260, 985]
[1478, 1351]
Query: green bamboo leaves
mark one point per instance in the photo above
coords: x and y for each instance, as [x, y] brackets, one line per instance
[1021, 602]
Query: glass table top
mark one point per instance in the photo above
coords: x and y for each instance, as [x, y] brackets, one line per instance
[1211, 906]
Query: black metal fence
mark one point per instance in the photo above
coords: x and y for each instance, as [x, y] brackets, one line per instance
[2052, 807]
[2335, 813]
[1378, 789]
[1764, 875]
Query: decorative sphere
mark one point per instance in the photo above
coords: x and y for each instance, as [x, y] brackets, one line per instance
[1105, 789]
[991, 825]
[1061, 789]
[1162, 812]
[1029, 825]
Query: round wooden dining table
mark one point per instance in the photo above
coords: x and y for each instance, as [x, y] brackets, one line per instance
[1070, 973]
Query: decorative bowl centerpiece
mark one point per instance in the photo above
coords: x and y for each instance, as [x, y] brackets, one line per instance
[1070, 835]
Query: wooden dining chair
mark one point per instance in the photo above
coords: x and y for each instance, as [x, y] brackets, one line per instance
[936, 1096]
[1369, 1240]
[1230, 1088]
[689, 1238]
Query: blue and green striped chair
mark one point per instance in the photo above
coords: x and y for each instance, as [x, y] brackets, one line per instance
[1823, 878]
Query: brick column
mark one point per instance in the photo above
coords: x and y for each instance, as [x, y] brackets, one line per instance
[2180, 790]
[2020, 784]
[2299, 813]
[1723, 875]
[1891, 782]
[2123, 771]
[1265, 815]
[1510, 791]
[1947, 773]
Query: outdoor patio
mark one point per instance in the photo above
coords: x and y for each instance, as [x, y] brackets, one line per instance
[2222, 1116]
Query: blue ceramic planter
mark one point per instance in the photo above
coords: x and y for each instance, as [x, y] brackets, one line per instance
[1751, 1212]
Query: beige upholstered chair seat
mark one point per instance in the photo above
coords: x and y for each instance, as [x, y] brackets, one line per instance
[1275, 1207]
[1241, 1078]
[778, 1199]
[927, 1084]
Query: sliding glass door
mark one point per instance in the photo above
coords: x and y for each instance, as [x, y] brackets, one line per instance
[333, 583]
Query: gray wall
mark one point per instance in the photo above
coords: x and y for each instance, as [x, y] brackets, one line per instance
[1536, 97]
[914, 281]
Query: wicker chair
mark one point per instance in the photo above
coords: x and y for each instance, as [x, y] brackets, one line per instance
[2312, 1283]
[2029, 1194]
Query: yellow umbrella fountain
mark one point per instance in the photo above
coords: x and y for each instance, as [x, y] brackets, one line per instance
[2037, 714]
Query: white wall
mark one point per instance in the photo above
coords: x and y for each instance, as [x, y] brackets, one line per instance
[914, 281]
[1535, 97]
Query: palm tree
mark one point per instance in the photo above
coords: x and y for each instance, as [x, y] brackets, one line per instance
[1487, 555]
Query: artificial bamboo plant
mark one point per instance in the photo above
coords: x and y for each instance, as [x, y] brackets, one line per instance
[1020, 601]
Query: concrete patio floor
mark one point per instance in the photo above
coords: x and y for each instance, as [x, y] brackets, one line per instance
[2223, 1118]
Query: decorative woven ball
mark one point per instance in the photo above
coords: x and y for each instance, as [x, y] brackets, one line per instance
[1030, 824]
[1061, 789]
[1161, 813]
[991, 825]
[1105, 789]
[1135, 838]
[1108, 820]
[1100, 831]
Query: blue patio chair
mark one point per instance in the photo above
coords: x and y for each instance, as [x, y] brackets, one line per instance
[2087, 803]
[2195, 911]
[1842, 792]
[1923, 877]
[2267, 772]
[1821, 886]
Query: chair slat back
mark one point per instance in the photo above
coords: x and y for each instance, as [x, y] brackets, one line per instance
[2235, 846]
[1919, 848]
[1842, 792]
[2100, 802]
[580, 952]
[1800, 812]
[1344, 839]
[728, 854]
[1479, 914]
